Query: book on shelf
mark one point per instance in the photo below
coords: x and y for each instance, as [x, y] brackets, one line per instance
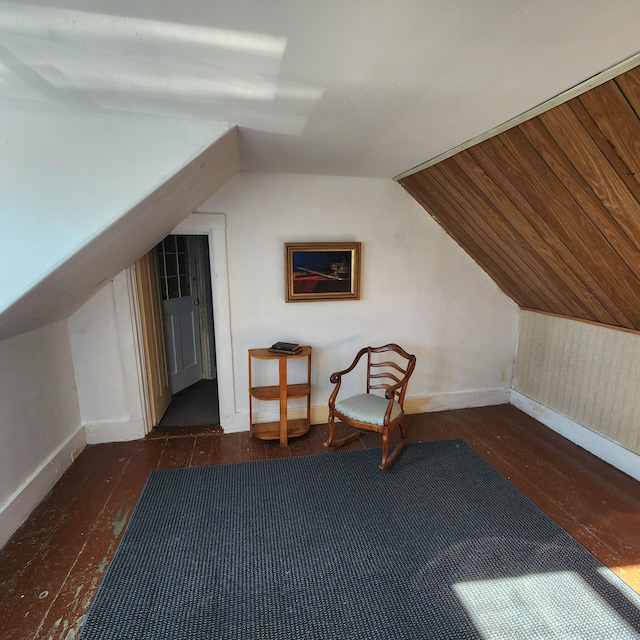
[289, 348]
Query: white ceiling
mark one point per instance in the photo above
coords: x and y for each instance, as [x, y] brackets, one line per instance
[338, 87]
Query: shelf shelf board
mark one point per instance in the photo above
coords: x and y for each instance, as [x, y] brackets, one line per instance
[273, 392]
[271, 430]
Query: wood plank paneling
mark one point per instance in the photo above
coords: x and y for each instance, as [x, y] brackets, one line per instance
[564, 282]
[560, 269]
[551, 208]
[530, 258]
[554, 205]
[446, 213]
[472, 201]
[613, 124]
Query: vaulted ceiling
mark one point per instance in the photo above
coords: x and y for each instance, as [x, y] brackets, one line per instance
[106, 104]
[550, 208]
[356, 88]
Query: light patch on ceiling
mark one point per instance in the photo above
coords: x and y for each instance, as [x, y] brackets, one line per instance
[48, 24]
[74, 60]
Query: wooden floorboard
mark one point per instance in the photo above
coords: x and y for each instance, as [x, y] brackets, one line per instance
[50, 570]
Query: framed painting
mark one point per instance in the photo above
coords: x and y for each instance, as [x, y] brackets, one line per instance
[322, 271]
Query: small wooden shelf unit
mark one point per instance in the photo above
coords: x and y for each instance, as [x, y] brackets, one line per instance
[282, 392]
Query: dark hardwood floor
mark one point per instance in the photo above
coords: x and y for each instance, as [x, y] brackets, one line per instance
[50, 570]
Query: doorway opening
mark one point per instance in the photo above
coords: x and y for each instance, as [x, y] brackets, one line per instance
[182, 282]
[154, 376]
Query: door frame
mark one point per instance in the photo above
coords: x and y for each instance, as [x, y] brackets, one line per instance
[213, 225]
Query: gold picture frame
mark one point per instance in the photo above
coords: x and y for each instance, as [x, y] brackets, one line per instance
[317, 271]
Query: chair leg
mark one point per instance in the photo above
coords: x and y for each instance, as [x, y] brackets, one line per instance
[332, 432]
[388, 460]
[332, 428]
[403, 433]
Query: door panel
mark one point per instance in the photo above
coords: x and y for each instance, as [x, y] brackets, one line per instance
[182, 335]
[158, 387]
[189, 330]
[176, 260]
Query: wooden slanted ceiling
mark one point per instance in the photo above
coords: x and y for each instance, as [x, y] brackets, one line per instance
[551, 208]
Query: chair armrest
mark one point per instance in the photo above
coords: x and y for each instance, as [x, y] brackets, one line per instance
[336, 378]
[392, 389]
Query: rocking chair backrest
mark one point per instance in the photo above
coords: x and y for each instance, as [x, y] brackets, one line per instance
[390, 375]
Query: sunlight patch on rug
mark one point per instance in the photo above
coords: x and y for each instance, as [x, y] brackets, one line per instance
[520, 607]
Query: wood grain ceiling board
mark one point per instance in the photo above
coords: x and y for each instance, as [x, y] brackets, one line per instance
[551, 208]
[492, 227]
[427, 190]
[535, 254]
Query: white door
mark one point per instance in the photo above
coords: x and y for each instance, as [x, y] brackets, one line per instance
[176, 262]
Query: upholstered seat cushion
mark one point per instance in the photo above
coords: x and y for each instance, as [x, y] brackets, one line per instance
[367, 407]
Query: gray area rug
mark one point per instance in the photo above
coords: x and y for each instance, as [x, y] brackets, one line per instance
[440, 546]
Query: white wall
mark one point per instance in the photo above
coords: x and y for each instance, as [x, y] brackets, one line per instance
[419, 288]
[582, 379]
[39, 420]
[104, 345]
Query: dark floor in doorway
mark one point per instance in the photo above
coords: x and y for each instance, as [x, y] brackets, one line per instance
[195, 406]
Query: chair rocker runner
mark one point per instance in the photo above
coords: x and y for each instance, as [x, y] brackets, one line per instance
[369, 411]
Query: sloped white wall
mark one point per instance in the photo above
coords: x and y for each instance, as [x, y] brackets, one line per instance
[39, 420]
[72, 181]
[419, 288]
[122, 185]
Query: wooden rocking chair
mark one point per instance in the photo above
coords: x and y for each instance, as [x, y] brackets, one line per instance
[372, 412]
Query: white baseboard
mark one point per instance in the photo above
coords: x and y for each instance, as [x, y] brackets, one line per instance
[27, 497]
[234, 422]
[435, 402]
[457, 400]
[114, 431]
[597, 444]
